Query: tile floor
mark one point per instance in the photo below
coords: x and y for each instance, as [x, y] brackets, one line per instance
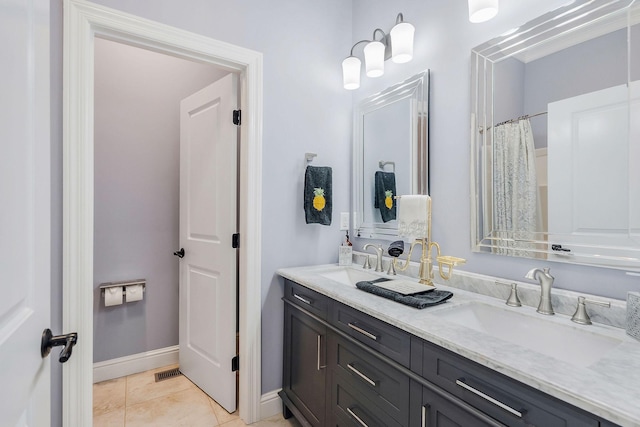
[137, 400]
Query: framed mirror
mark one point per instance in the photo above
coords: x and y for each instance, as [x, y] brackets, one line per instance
[555, 140]
[390, 154]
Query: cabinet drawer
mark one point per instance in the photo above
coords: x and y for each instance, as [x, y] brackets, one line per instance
[306, 298]
[380, 383]
[378, 335]
[353, 408]
[498, 396]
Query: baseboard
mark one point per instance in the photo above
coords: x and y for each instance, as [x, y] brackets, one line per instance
[136, 363]
[270, 404]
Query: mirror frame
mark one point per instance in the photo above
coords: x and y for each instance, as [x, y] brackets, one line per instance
[536, 38]
[415, 88]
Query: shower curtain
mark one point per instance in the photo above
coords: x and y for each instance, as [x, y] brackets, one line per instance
[515, 187]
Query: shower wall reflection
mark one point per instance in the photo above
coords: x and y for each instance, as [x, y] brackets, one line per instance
[557, 105]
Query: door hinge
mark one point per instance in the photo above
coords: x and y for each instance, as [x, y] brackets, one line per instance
[235, 241]
[235, 363]
[237, 117]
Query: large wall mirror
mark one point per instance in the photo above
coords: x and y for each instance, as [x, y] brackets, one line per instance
[556, 137]
[390, 154]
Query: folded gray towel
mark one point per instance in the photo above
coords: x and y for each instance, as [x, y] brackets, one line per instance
[384, 192]
[419, 301]
[317, 195]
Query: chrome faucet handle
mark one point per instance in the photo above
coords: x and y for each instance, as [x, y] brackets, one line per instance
[514, 300]
[392, 268]
[367, 264]
[581, 316]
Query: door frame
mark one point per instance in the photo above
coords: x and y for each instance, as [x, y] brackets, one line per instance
[83, 21]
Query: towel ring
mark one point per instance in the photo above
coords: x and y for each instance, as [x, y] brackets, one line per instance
[383, 163]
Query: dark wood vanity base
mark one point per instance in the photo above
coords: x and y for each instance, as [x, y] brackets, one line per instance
[343, 367]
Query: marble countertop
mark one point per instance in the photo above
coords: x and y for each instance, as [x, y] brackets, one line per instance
[609, 387]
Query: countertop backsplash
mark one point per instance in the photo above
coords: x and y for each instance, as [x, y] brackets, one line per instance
[564, 301]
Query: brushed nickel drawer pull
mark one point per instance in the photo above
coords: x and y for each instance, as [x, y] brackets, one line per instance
[357, 418]
[507, 408]
[363, 332]
[425, 414]
[319, 344]
[361, 375]
[304, 300]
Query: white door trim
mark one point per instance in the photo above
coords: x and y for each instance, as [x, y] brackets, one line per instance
[82, 22]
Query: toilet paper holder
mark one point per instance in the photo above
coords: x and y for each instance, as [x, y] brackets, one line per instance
[122, 285]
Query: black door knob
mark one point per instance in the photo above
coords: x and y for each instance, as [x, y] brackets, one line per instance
[180, 253]
[49, 341]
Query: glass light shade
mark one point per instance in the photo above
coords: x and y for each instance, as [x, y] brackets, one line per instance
[482, 10]
[374, 58]
[351, 73]
[402, 42]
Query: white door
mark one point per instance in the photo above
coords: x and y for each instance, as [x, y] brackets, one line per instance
[590, 133]
[208, 220]
[25, 216]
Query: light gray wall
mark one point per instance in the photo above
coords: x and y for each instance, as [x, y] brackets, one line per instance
[444, 38]
[55, 10]
[136, 184]
[509, 90]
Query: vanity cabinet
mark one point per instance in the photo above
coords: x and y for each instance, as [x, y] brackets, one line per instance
[343, 367]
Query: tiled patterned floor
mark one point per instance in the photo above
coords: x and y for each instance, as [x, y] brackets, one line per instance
[137, 400]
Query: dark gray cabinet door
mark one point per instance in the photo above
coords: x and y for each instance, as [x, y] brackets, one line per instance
[304, 366]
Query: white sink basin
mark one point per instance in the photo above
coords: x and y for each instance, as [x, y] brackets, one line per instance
[348, 276]
[576, 345]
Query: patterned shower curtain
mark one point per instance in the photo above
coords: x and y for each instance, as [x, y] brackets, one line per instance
[515, 211]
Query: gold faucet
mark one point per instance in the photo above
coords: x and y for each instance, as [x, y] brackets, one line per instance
[426, 263]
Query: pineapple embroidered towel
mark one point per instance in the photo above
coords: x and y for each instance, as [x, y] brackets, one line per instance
[385, 190]
[317, 195]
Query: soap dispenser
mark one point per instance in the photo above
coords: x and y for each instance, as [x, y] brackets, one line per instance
[345, 252]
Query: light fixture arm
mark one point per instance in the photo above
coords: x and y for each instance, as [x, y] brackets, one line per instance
[384, 36]
[354, 46]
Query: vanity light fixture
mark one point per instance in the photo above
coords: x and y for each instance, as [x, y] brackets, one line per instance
[397, 45]
[482, 10]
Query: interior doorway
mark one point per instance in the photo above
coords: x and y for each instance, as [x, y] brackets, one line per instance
[165, 179]
[83, 21]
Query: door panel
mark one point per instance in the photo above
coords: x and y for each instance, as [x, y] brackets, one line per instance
[208, 219]
[25, 217]
[202, 294]
[586, 133]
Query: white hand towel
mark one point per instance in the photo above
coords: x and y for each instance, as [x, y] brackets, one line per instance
[413, 216]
